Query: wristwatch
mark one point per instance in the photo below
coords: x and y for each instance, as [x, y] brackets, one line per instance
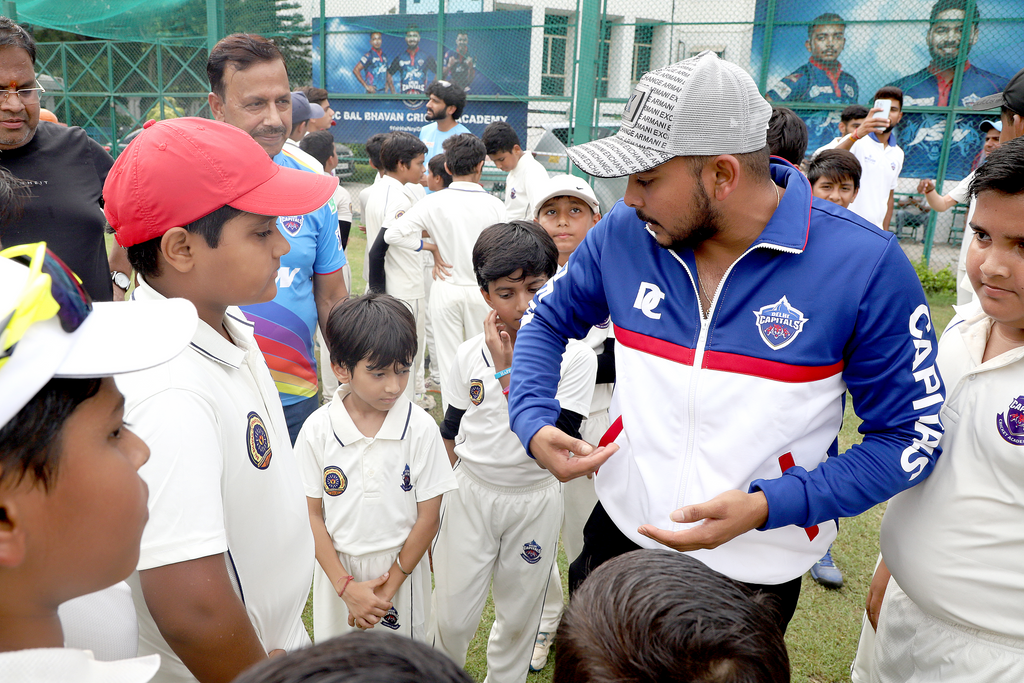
[120, 280]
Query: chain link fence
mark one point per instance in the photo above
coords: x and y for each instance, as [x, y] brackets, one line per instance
[545, 65]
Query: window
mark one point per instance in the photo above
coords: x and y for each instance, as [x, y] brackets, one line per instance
[556, 33]
[603, 51]
[643, 41]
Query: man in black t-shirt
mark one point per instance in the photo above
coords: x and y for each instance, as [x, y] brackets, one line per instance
[64, 168]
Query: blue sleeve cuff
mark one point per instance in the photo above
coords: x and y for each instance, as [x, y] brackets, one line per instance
[787, 498]
[419, 248]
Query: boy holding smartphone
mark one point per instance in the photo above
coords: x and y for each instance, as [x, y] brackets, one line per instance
[881, 159]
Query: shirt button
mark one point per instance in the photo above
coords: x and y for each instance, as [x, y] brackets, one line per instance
[370, 473]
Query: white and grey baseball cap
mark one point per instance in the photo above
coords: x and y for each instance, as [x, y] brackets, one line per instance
[701, 106]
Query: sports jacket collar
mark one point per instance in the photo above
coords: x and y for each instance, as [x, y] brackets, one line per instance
[788, 227]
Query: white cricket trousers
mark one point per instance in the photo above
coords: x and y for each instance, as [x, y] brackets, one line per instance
[580, 499]
[500, 533]
[912, 646]
[410, 608]
[419, 312]
[428, 325]
[456, 314]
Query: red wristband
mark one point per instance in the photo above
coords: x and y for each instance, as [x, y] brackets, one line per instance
[854, 136]
[505, 390]
[348, 580]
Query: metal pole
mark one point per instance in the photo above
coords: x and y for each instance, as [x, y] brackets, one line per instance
[947, 137]
[323, 44]
[214, 22]
[11, 10]
[160, 80]
[440, 41]
[110, 89]
[64, 82]
[766, 49]
[589, 26]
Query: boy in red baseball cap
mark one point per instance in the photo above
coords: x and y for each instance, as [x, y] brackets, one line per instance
[227, 557]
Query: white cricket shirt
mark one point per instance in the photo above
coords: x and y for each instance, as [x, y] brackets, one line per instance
[370, 485]
[454, 217]
[388, 201]
[222, 478]
[526, 183]
[485, 443]
[964, 289]
[954, 542]
[880, 171]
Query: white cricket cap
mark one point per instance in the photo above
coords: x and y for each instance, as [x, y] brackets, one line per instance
[115, 338]
[701, 106]
[568, 186]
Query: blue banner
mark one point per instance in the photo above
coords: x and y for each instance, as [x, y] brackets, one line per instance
[486, 53]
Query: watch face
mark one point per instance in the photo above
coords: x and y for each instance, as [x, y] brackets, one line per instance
[121, 280]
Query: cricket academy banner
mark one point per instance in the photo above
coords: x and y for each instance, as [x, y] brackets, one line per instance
[487, 53]
[839, 53]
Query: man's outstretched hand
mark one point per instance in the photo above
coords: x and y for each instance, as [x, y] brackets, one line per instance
[567, 457]
[725, 516]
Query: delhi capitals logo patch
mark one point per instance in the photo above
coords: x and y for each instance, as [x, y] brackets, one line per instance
[531, 552]
[779, 323]
[406, 479]
[512, 193]
[1011, 426]
[335, 481]
[292, 224]
[258, 442]
[476, 391]
[390, 619]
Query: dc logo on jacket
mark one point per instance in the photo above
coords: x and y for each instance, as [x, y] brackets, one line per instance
[779, 323]
[406, 479]
[531, 552]
[1011, 427]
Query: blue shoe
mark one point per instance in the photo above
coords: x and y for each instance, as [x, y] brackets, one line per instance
[826, 573]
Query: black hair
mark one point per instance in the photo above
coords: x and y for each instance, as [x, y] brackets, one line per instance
[834, 165]
[890, 92]
[313, 93]
[452, 96]
[787, 135]
[319, 145]
[360, 657]
[144, 256]
[755, 163]
[436, 167]
[854, 111]
[500, 137]
[1007, 114]
[826, 19]
[660, 615]
[504, 248]
[463, 153]
[30, 441]
[242, 50]
[376, 328]
[1003, 170]
[946, 5]
[13, 35]
[400, 148]
[373, 148]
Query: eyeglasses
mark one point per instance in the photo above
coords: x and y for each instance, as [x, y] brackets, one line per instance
[26, 95]
[51, 290]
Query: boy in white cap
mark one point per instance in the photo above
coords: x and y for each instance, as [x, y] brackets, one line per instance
[71, 499]
[227, 556]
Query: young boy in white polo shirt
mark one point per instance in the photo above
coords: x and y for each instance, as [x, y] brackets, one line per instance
[567, 209]
[72, 503]
[227, 555]
[952, 604]
[501, 525]
[453, 218]
[526, 177]
[374, 469]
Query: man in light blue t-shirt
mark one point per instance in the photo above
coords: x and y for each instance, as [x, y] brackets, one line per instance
[443, 108]
[251, 92]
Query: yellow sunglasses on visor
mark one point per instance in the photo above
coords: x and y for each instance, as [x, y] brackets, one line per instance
[51, 290]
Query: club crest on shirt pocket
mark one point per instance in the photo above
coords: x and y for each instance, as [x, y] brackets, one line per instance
[406, 479]
[390, 619]
[335, 481]
[779, 323]
[292, 224]
[476, 391]
[257, 441]
[1011, 423]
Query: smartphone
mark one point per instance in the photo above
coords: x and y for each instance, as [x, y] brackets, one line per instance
[885, 106]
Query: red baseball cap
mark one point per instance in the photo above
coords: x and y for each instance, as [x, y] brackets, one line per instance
[179, 170]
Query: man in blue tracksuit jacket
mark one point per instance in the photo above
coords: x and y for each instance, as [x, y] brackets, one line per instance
[744, 310]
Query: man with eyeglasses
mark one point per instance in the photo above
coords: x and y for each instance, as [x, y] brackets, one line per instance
[64, 167]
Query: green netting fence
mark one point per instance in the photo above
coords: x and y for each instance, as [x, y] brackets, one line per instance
[545, 66]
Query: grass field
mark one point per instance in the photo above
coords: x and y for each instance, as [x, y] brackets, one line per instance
[822, 637]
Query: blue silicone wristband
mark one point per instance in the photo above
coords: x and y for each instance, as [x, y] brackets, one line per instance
[506, 371]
